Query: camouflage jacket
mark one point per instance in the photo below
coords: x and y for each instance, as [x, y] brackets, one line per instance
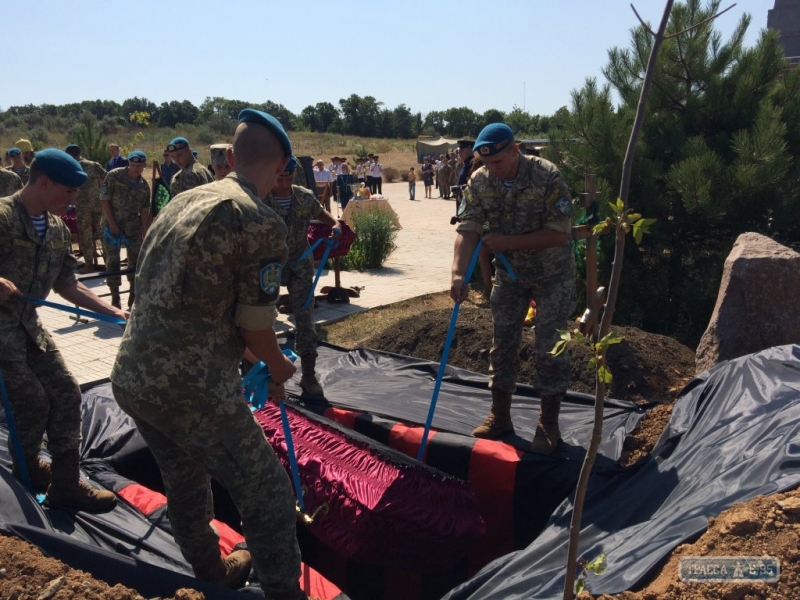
[539, 199]
[36, 267]
[89, 193]
[23, 174]
[304, 208]
[210, 265]
[10, 183]
[127, 200]
[190, 177]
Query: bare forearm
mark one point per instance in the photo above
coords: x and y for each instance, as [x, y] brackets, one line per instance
[263, 345]
[79, 294]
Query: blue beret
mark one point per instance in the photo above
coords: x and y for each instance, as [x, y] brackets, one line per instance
[61, 167]
[493, 138]
[178, 143]
[14, 151]
[290, 166]
[251, 115]
[72, 148]
[194, 153]
[137, 156]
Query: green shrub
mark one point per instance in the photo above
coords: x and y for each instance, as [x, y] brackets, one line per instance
[375, 235]
[39, 137]
[205, 135]
[390, 174]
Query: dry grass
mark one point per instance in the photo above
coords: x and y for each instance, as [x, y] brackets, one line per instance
[398, 154]
[353, 331]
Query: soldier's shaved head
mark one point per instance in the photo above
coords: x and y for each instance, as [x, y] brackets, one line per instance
[258, 155]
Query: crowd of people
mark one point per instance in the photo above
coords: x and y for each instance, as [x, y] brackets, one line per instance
[208, 270]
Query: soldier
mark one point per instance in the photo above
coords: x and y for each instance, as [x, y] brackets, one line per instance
[445, 178]
[9, 182]
[27, 150]
[520, 206]
[36, 257]
[219, 161]
[192, 173]
[297, 206]
[208, 281]
[88, 207]
[18, 165]
[125, 200]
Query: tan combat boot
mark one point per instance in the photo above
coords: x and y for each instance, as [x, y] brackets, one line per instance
[308, 382]
[498, 423]
[68, 490]
[545, 440]
[231, 571]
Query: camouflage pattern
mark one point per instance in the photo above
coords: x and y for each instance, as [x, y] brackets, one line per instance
[10, 183]
[128, 200]
[208, 267]
[24, 174]
[446, 177]
[42, 392]
[539, 199]
[87, 204]
[298, 277]
[193, 175]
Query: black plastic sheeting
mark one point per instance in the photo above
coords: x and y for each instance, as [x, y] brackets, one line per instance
[120, 546]
[734, 434]
[400, 388]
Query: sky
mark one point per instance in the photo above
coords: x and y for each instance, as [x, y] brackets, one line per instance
[429, 55]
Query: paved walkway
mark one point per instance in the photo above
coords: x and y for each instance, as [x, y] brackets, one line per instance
[419, 265]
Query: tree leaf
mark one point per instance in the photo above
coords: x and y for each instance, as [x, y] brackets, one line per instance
[604, 374]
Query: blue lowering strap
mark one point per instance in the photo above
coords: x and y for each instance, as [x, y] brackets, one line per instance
[506, 265]
[329, 243]
[16, 445]
[443, 362]
[116, 241]
[306, 253]
[75, 310]
[256, 390]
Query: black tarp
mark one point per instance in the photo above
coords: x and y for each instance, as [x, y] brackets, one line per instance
[734, 434]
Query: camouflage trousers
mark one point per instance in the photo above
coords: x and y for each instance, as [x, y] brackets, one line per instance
[228, 444]
[298, 279]
[44, 397]
[112, 258]
[555, 303]
[89, 218]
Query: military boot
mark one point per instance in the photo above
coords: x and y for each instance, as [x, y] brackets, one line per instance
[231, 571]
[115, 302]
[308, 382]
[547, 435]
[68, 490]
[498, 423]
[38, 472]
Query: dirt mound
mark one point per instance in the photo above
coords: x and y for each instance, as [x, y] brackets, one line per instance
[646, 367]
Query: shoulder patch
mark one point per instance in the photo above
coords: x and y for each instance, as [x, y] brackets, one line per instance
[270, 278]
[564, 206]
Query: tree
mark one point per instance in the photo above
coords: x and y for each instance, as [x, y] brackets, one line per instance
[403, 123]
[716, 158]
[321, 117]
[360, 116]
[462, 122]
[494, 116]
[172, 113]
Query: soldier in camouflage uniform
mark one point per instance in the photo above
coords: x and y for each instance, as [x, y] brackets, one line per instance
[219, 160]
[9, 182]
[44, 395]
[192, 173]
[125, 199]
[446, 177]
[520, 206]
[88, 207]
[209, 277]
[18, 165]
[297, 206]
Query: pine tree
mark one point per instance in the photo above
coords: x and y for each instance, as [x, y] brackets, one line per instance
[717, 157]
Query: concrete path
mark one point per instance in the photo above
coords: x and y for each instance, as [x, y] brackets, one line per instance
[419, 265]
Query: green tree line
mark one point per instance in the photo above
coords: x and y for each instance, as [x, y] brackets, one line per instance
[364, 117]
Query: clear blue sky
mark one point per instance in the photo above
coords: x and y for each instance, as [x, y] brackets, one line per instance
[427, 55]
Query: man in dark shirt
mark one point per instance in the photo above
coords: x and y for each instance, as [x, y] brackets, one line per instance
[168, 168]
